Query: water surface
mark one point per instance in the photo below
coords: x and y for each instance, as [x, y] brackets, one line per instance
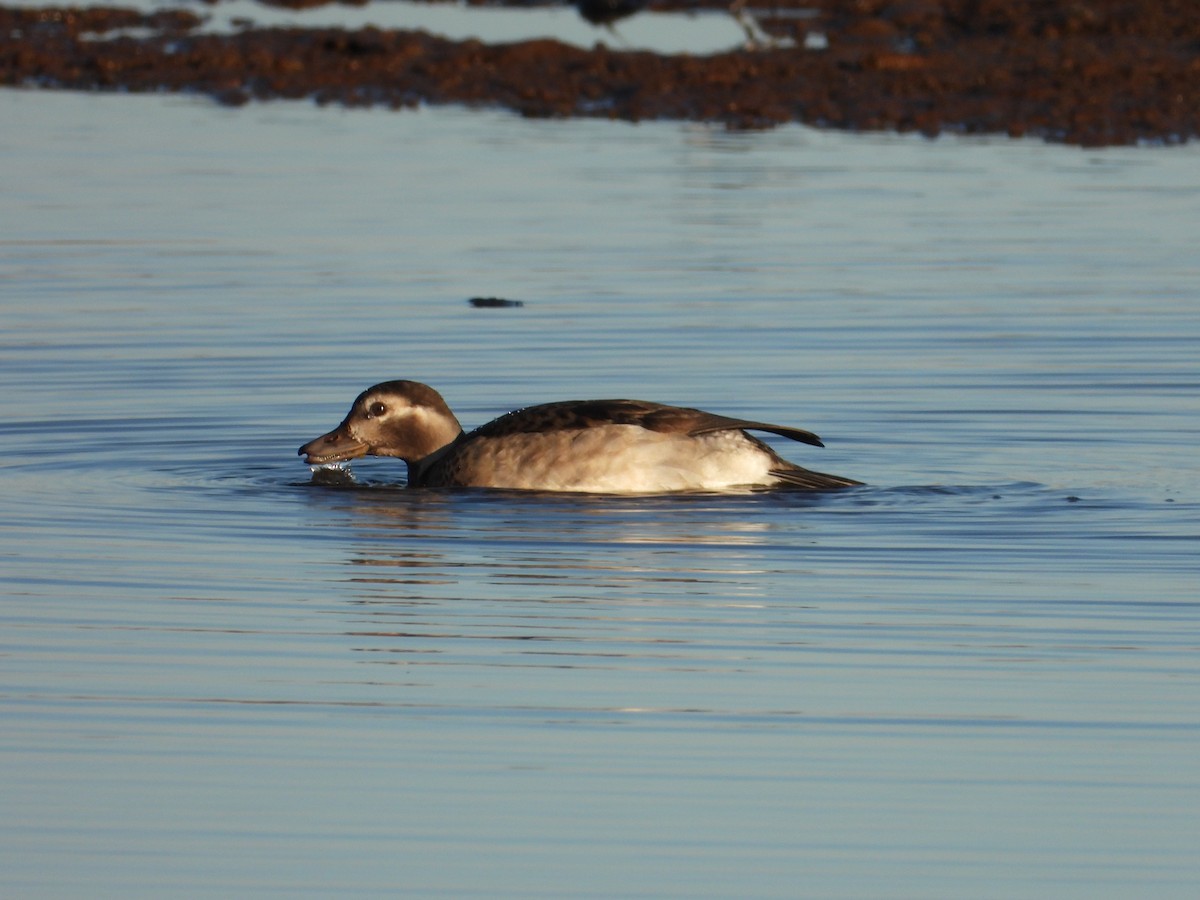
[975, 676]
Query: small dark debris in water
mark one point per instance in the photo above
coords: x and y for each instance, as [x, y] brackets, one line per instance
[232, 97]
[605, 12]
[494, 303]
[1073, 499]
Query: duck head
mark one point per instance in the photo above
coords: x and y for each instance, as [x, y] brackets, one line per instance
[405, 419]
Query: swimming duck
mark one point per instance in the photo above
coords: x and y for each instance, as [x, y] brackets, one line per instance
[594, 446]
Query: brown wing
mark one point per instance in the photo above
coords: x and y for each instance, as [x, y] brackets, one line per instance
[576, 414]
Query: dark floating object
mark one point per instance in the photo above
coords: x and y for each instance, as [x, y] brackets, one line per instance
[594, 446]
[605, 12]
[494, 303]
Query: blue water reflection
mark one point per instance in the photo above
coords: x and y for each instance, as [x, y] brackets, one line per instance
[975, 676]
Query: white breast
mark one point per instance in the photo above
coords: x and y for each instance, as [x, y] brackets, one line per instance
[618, 459]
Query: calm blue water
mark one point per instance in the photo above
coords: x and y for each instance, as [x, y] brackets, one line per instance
[976, 677]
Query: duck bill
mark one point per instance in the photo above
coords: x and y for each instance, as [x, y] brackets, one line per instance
[336, 446]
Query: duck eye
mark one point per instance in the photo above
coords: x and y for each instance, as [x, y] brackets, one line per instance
[376, 409]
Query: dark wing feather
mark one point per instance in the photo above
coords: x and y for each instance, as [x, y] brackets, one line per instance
[566, 415]
[721, 423]
[576, 414]
[813, 481]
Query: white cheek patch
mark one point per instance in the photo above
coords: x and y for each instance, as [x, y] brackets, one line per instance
[421, 416]
[361, 422]
[394, 408]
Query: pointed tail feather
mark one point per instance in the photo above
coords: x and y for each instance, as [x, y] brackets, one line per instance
[812, 481]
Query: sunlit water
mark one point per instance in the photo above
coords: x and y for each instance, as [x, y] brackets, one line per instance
[976, 677]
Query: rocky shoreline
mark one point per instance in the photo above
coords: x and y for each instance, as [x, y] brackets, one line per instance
[1094, 73]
